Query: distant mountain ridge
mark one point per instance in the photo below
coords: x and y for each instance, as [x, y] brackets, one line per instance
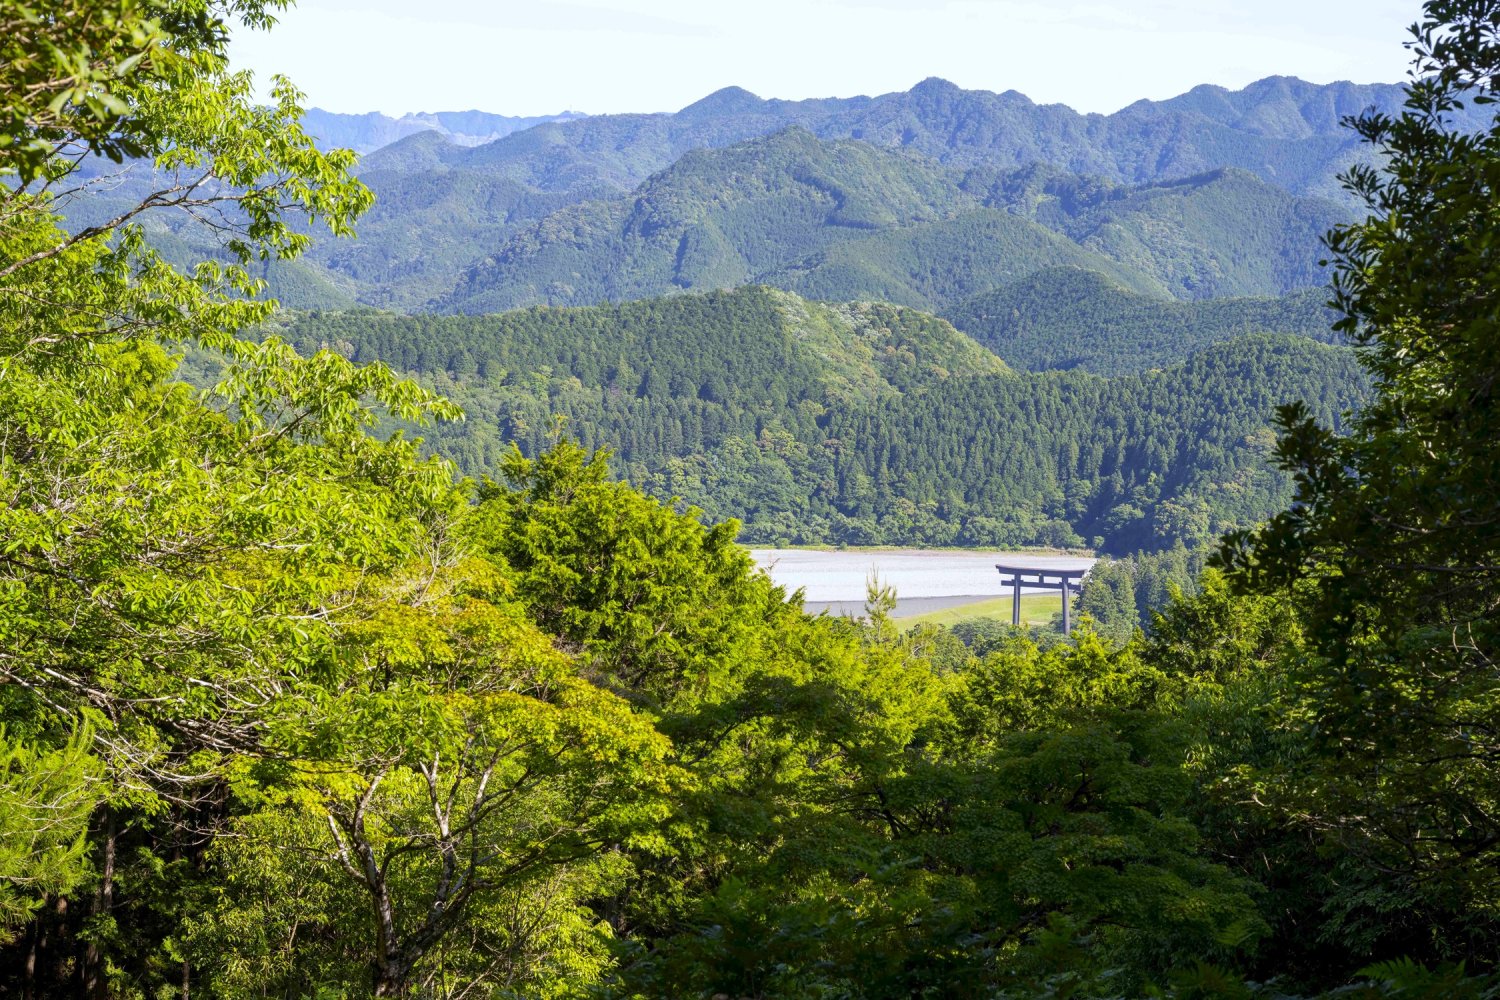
[365, 133]
[444, 209]
[1282, 129]
[1211, 193]
[843, 220]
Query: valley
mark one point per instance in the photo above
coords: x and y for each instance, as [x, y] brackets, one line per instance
[786, 315]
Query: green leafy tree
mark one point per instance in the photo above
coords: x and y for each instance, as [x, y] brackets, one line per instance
[65, 71]
[440, 815]
[46, 796]
[171, 560]
[1393, 542]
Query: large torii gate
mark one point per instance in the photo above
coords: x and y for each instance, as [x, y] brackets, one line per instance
[1050, 579]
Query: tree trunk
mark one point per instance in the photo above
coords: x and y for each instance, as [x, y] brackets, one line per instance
[390, 977]
[95, 985]
[35, 936]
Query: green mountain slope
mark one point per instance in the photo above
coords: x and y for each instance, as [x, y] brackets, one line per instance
[753, 346]
[933, 264]
[430, 220]
[1063, 318]
[715, 219]
[843, 220]
[1224, 232]
[864, 423]
[446, 212]
[441, 207]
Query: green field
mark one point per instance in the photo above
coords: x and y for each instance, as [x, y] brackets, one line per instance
[1036, 609]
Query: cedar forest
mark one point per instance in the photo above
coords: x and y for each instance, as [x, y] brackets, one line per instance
[346, 652]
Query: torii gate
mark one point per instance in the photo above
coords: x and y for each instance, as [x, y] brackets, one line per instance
[1051, 579]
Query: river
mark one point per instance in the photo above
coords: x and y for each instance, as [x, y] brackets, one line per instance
[924, 579]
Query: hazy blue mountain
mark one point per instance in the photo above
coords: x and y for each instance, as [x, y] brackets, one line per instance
[365, 133]
[1281, 106]
[1281, 129]
[1194, 197]
[1284, 130]
[431, 219]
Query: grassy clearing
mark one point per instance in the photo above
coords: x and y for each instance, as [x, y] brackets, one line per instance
[1036, 609]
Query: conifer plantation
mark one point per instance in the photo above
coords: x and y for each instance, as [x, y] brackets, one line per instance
[334, 664]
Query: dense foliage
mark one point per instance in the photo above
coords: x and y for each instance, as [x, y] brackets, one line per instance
[1064, 319]
[1392, 543]
[864, 424]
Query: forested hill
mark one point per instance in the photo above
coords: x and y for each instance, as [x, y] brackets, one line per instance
[753, 346]
[864, 424]
[1066, 318]
[846, 220]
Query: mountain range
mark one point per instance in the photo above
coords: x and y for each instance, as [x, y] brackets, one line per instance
[925, 197]
[844, 220]
[365, 133]
[452, 223]
[1283, 129]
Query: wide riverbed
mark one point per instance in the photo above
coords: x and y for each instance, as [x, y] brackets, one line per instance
[925, 579]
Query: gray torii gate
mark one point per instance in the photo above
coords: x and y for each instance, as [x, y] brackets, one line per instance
[1050, 579]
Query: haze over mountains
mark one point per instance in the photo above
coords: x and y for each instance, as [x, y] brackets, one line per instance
[1284, 129]
[365, 133]
[528, 217]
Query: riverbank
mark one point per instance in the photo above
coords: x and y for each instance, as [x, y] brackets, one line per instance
[925, 580]
[1036, 609]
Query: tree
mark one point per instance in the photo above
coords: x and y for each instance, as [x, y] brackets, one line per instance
[61, 70]
[1393, 542]
[658, 602]
[172, 562]
[438, 817]
[46, 797]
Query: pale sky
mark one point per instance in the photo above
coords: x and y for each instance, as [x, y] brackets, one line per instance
[531, 57]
